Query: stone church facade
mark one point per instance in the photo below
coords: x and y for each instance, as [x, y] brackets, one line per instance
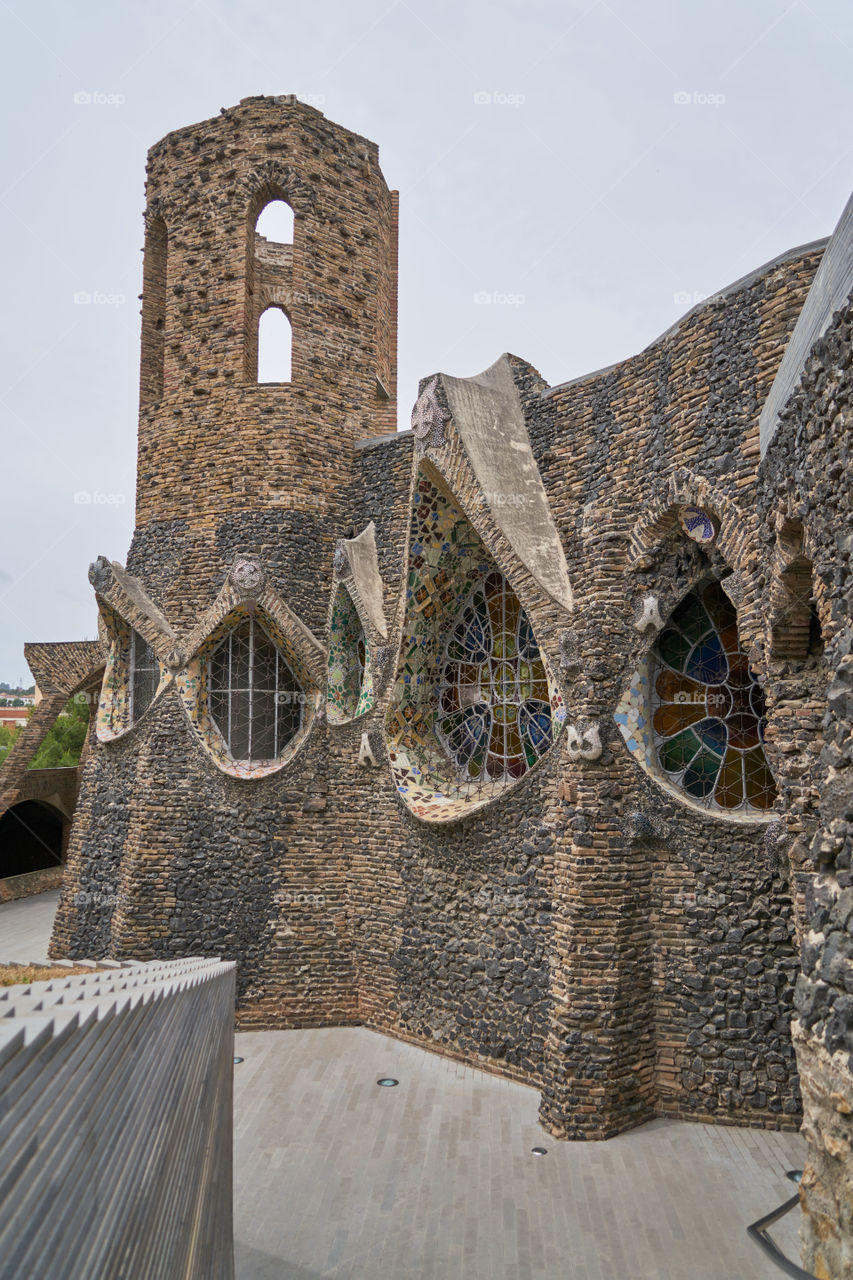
[525, 735]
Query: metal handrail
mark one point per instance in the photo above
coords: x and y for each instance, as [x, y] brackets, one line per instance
[757, 1231]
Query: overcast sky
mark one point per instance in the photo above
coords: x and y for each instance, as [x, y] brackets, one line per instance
[592, 168]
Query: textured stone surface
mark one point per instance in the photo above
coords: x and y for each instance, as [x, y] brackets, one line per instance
[807, 508]
[627, 966]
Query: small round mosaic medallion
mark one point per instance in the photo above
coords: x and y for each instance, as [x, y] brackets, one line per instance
[697, 524]
[248, 577]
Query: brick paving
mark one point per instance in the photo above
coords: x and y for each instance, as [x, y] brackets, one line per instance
[25, 926]
[436, 1180]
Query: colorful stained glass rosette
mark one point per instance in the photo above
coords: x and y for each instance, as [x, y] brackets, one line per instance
[709, 708]
[494, 704]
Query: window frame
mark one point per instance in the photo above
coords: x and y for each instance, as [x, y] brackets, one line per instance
[229, 691]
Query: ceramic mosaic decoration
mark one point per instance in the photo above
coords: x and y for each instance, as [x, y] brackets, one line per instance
[349, 691]
[132, 679]
[694, 714]
[473, 707]
[697, 524]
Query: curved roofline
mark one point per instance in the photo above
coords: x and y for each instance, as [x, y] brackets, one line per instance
[710, 301]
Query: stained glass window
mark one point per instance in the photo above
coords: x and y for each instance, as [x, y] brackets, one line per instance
[709, 712]
[349, 689]
[254, 698]
[144, 676]
[494, 703]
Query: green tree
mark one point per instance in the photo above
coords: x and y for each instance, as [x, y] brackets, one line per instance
[8, 734]
[62, 744]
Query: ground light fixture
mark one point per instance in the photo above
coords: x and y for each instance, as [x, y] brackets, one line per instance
[387, 1082]
[539, 1151]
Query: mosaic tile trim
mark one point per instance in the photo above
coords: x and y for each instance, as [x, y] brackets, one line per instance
[693, 714]
[133, 679]
[442, 754]
[349, 684]
[697, 524]
[200, 699]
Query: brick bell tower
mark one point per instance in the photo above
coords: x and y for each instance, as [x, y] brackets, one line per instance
[228, 465]
[183, 842]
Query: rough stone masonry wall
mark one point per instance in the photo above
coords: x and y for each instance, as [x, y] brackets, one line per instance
[223, 461]
[168, 853]
[451, 923]
[674, 949]
[589, 932]
[805, 481]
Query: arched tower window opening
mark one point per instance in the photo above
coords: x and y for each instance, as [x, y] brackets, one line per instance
[255, 699]
[275, 344]
[144, 676]
[275, 222]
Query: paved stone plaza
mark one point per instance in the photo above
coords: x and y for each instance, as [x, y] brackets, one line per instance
[25, 926]
[435, 1179]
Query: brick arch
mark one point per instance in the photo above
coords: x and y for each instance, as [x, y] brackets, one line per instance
[736, 540]
[61, 671]
[273, 181]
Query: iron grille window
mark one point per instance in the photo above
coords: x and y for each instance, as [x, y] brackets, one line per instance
[254, 698]
[144, 676]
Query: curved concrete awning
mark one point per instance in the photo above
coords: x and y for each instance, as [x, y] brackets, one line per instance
[364, 563]
[487, 415]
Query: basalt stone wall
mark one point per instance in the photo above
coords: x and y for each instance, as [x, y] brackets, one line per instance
[452, 922]
[805, 483]
[591, 931]
[674, 950]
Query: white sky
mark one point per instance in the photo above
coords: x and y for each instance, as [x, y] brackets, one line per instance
[588, 204]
